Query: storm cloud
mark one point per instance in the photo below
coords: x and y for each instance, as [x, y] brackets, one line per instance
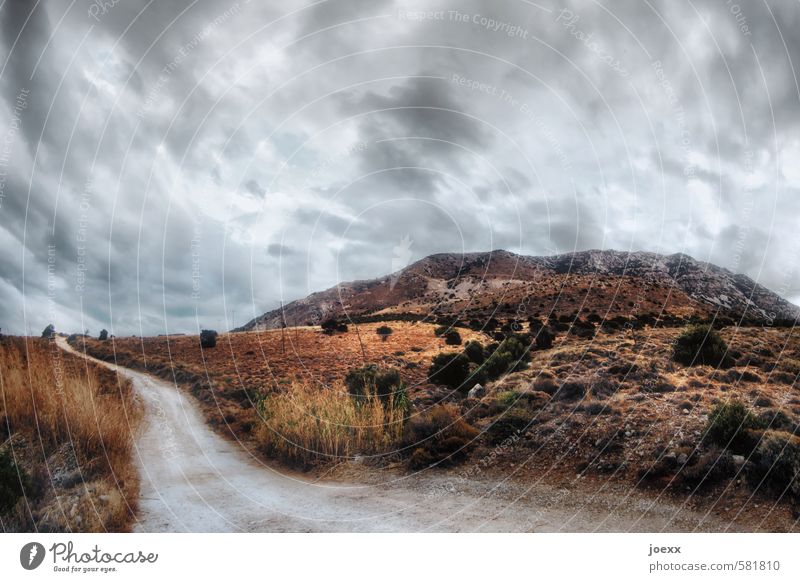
[171, 166]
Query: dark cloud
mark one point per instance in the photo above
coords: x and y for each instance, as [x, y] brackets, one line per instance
[165, 167]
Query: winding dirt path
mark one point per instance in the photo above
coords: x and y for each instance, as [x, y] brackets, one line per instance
[194, 480]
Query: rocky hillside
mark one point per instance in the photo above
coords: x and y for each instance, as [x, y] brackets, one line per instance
[596, 285]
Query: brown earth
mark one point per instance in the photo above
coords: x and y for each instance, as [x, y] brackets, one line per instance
[622, 413]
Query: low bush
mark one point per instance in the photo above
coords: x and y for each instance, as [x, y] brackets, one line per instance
[571, 390]
[507, 399]
[514, 422]
[474, 351]
[544, 338]
[13, 483]
[331, 326]
[450, 369]
[775, 465]
[452, 338]
[208, 338]
[103, 335]
[713, 467]
[385, 383]
[438, 436]
[510, 355]
[384, 332]
[728, 426]
[545, 383]
[496, 364]
[701, 345]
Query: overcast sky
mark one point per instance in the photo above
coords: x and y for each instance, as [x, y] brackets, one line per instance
[166, 164]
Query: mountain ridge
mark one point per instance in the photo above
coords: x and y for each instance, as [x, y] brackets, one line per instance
[498, 284]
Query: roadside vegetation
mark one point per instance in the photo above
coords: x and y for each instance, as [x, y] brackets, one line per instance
[304, 424]
[67, 429]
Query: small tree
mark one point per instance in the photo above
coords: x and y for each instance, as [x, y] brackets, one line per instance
[208, 338]
[103, 335]
[384, 332]
[49, 331]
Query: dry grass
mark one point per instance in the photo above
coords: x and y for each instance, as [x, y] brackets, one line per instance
[75, 424]
[231, 378]
[305, 424]
[260, 360]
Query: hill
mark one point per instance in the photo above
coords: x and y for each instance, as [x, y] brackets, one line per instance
[598, 285]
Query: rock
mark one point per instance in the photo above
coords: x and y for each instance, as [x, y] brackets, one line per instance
[686, 411]
[105, 498]
[682, 458]
[477, 391]
[738, 460]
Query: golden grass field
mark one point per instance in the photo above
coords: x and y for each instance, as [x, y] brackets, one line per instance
[70, 426]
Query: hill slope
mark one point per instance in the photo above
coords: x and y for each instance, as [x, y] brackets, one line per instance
[598, 284]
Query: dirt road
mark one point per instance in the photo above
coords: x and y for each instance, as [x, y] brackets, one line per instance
[192, 479]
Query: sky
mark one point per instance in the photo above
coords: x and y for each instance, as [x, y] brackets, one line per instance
[172, 166]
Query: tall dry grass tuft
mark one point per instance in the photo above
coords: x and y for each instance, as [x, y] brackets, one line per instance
[65, 406]
[306, 424]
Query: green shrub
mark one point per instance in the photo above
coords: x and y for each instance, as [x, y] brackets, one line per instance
[13, 483]
[728, 426]
[452, 338]
[701, 345]
[497, 364]
[776, 465]
[383, 382]
[440, 330]
[450, 369]
[507, 399]
[511, 355]
[384, 331]
[49, 331]
[103, 335]
[474, 351]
